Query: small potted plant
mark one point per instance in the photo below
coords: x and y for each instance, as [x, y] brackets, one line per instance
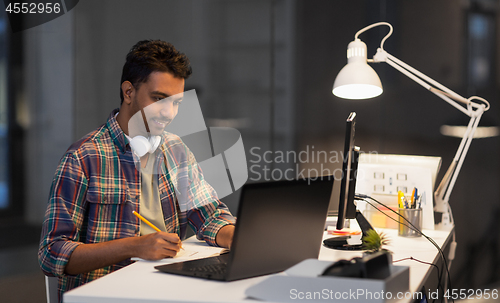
[374, 242]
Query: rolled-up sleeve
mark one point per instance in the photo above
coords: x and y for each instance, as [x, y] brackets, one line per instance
[209, 214]
[63, 217]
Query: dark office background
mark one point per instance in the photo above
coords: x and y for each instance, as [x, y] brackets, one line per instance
[266, 68]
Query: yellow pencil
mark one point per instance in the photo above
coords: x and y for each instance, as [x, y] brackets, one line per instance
[149, 223]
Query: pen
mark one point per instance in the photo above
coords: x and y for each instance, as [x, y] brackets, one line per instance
[415, 198]
[419, 200]
[149, 223]
[412, 198]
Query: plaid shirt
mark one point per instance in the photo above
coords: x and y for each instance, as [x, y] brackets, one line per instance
[97, 186]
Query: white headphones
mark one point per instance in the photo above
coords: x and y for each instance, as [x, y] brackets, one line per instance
[142, 145]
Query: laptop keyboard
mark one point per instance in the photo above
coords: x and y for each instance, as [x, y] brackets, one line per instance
[219, 268]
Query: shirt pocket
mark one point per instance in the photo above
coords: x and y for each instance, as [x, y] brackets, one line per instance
[110, 217]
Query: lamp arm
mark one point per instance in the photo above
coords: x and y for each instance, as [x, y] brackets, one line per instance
[423, 80]
[473, 109]
[451, 93]
[443, 192]
[430, 88]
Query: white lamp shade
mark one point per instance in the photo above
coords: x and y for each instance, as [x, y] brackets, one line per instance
[357, 80]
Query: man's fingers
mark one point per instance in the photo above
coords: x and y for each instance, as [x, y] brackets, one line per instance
[169, 252]
[169, 241]
[170, 237]
[172, 246]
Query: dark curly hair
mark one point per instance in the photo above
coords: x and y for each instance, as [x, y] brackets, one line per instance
[149, 56]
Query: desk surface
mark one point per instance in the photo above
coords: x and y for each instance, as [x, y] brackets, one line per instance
[140, 282]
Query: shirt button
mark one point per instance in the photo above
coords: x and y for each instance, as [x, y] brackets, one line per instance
[104, 198]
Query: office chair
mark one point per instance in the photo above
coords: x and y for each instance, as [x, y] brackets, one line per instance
[51, 289]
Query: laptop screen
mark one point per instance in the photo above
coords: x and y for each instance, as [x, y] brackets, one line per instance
[278, 225]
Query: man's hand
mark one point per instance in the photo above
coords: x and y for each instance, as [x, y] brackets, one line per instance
[88, 257]
[158, 246]
[224, 237]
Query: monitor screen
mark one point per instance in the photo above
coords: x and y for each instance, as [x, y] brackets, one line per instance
[347, 208]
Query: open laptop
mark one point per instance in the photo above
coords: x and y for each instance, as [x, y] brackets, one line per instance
[279, 224]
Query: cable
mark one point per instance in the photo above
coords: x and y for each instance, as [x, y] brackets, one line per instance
[386, 214]
[417, 230]
[420, 261]
[372, 26]
[364, 197]
[439, 272]
[427, 263]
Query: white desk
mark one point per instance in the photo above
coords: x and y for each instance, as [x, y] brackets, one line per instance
[140, 282]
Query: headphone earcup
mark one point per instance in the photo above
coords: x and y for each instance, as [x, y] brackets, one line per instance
[140, 145]
[155, 142]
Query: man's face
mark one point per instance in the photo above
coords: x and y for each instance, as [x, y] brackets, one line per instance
[160, 97]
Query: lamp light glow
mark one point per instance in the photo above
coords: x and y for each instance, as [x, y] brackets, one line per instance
[357, 91]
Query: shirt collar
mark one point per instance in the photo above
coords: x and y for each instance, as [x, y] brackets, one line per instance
[116, 132]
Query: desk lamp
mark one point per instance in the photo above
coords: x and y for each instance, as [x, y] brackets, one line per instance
[357, 80]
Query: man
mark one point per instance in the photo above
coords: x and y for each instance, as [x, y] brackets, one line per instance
[89, 228]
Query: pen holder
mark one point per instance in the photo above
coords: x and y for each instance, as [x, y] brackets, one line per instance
[414, 215]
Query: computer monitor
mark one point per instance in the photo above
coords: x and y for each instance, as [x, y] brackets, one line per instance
[347, 206]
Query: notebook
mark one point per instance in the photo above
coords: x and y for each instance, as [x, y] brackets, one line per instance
[279, 224]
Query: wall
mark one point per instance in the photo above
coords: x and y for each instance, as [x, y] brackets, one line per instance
[46, 107]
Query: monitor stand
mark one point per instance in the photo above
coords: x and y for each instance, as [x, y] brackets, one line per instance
[340, 243]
